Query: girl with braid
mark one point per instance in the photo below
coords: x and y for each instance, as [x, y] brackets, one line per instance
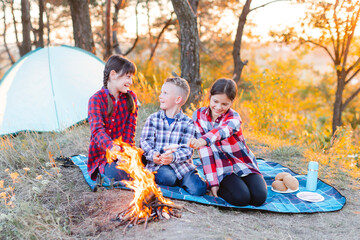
[112, 113]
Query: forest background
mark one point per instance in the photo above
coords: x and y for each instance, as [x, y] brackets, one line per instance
[298, 81]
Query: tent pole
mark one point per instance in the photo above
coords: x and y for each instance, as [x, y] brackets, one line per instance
[52, 89]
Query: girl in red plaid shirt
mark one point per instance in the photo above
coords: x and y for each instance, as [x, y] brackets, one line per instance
[229, 166]
[112, 114]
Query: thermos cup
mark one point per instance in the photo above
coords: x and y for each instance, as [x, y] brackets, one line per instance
[312, 176]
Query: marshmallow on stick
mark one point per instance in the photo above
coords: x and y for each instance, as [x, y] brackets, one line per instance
[174, 146]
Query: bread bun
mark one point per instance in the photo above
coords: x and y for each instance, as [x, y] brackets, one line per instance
[291, 182]
[279, 185]
[280, 176]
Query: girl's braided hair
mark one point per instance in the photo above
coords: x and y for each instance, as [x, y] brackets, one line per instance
[122, 66]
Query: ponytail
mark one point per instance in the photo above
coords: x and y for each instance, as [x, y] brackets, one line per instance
[110, 104]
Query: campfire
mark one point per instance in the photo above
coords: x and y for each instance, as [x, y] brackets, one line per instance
[148, 203]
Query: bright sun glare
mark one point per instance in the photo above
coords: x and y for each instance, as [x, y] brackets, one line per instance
[273, 17]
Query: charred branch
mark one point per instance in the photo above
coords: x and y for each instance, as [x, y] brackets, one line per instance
[157, 211]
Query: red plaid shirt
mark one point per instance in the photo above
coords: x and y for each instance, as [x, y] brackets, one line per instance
[105, 129]
[226, 151]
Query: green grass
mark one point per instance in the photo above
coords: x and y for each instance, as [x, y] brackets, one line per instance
[290, 156]
[42, 195]
[286, 152]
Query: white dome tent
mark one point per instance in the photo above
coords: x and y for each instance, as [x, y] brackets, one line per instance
[48, 89]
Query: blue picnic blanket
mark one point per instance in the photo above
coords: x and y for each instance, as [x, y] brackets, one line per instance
[275, 202]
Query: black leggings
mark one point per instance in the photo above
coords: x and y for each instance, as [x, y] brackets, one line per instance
[242, 191]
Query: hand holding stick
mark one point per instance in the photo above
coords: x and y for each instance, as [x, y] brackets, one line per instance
[115, 152]
[156, 158]
[174, 146]
[197, 143]
[167, 157]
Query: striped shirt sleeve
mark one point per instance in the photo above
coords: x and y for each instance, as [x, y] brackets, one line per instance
[147, 139]
[185, 153]
[224, 131]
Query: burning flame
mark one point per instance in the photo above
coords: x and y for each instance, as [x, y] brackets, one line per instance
[142, 180]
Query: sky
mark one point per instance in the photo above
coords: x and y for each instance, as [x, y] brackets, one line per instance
[270, 17]
[274, 16]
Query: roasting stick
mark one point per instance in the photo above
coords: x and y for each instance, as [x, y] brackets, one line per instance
[174, 146]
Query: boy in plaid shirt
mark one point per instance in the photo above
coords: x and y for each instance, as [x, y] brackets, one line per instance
[164, 140]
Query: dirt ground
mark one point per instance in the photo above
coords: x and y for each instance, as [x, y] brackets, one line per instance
[93, 214]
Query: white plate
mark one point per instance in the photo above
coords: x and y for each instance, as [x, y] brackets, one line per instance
[287, 191]
[310, 196]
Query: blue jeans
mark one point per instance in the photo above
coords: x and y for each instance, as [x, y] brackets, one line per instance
[191, 182]
[111, 171]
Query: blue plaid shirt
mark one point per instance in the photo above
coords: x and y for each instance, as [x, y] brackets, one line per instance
[157, 133]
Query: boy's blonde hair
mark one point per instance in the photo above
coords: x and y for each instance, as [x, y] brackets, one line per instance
[182, 84]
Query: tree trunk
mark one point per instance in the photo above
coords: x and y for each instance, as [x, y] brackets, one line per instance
[41, 24]
[107, 53]
[338, 104]
[238, 63]
[15, 24]
[26, 24]
[149, 24]
[154, 47]
[81, 25]
[116, 45]
[119, 5]
[11, 58]
[47, 13]
[189, 42]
